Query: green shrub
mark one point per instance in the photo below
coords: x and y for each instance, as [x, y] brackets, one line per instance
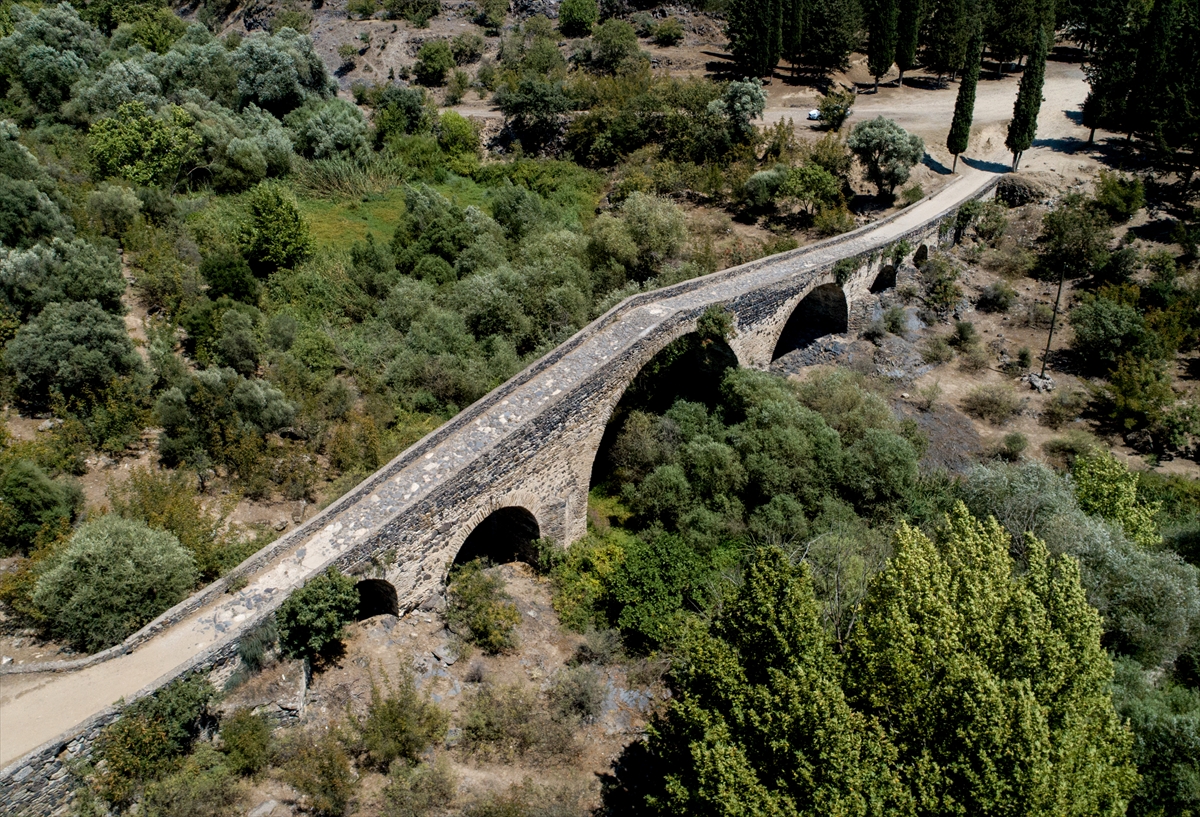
[274, 236]
[312, 619]
[59, 272]
[965, 336]
[937, 349]
[417, 12]
[151, 735]
[478, 609]
[895, 320]
[669, 32]
[1012, 446]
[319, 767]
[203, 787]
[69, 349]
[434, 61]
[113, 208]
[467, 48]
[491, 14]
[329, 129]
[1105, 330]
[143, 148]
[362, 9]
[400, 723]
[995, 404]
[576, 17]
[30, 502]
[246, 742]
[418, 791]
[997, 297]
[170, 501]
[1120, 196]
[613, 48]
[1138, 393]
[228, 275]
[114, 576]
[1075, 239]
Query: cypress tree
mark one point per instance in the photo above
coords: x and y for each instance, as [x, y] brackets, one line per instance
[755, 35]
[1023, 127]
[910, 19]
[831, 33]
[964, 105]
[881, 37]
[944, 38]
[793, 30]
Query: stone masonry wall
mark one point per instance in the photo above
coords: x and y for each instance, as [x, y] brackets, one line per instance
[546, 468]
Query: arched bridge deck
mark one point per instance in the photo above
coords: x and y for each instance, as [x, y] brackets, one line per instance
[529, 444]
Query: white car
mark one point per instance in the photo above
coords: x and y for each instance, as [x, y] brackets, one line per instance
[814, 114]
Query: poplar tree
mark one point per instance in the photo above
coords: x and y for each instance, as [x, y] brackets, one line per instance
[758, 723]
[910, 19]
[882, 19]
[1023, 127]
[964, 104]
[989, 678]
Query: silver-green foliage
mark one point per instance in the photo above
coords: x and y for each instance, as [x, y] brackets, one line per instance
[114, 576]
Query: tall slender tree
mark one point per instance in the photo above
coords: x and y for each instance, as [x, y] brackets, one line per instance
[831, 33]
[944, 37]
[909, 20]
[794, 13]
[882, 20]
[754, 31]
[775, 9]
[1023, 127]
[964, 104]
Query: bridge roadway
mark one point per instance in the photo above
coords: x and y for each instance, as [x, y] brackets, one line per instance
[43, 706]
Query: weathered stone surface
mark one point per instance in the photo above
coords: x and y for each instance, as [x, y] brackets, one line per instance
[529, 444]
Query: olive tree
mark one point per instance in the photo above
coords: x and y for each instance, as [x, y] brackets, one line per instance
[60, 272]
[69, 349]
[887, 152]
[114, 576]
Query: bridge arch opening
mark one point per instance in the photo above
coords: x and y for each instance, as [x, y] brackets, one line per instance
[690, 368]
[885, 280]
[376, 597]
[822, 312]
[505, 535]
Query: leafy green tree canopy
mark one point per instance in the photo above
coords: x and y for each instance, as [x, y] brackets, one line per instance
[30, 500]
[114, 576]
[69, 349]
[887, 152]
[143, 148]
[991, 682]
[275, 235]
[313, 618]
[59, 272]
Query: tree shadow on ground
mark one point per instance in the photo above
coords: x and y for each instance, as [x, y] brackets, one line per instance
[980, 164]
[934, 165]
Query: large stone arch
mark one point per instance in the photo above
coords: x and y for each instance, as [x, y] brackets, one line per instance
[497, 517]
[607, 411]
[822, 310]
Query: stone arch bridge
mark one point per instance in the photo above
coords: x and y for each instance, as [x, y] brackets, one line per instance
[525, 450]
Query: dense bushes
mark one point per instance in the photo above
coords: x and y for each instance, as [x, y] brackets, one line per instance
[399, 725]
[70, 349]
[113, 576]
[479, 611]
[31, 502]
[312, 618]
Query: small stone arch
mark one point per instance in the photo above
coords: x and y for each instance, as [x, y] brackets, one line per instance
[885, 280]
[376, 597]
[823, 311]
[502, 531]
[921, 255]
